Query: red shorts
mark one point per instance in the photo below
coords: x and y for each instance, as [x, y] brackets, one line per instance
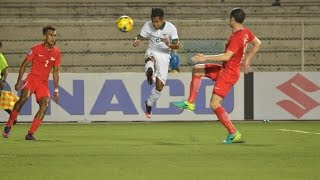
[38, 87]
[224, 80]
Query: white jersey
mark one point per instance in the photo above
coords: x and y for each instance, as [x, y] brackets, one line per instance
[156, 36]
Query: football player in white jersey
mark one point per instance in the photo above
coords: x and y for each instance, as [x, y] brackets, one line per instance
[163, 37]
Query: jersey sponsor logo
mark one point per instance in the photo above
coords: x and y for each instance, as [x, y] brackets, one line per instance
[52, 58]
[40, 55]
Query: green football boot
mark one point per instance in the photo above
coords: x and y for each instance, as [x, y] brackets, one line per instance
[233, 138]
[185, 105]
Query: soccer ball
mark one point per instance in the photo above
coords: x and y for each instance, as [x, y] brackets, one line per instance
[125, 23]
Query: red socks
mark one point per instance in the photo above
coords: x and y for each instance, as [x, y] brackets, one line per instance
[194, 88]
[224, 119]
[12, 117]
[34, 126]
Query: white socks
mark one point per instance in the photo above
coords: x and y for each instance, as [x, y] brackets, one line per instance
[154, 96]
[149, 64]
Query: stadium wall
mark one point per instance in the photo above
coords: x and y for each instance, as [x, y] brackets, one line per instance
[120, 97]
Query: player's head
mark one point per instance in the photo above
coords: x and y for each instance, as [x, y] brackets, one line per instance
[49, 34]
[237, 15]
[157, 15]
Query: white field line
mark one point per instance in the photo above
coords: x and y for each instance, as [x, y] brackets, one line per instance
[7, 156]
[119, 132]
[286, 130]
[298, 131]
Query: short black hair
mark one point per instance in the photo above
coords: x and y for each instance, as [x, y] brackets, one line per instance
[157, 12]
[47, 28]
[0, 44]
[238, 14]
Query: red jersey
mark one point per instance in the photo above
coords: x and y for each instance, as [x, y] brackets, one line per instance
[237, 43]
[43, 60]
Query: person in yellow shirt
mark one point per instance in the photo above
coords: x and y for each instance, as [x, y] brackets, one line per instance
[7, 98]
[3, 69]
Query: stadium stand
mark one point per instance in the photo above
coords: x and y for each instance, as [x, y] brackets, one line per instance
[201, 9]
[90, 41]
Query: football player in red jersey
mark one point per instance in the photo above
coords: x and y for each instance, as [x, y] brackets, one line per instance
[225, 75]
[43, 58]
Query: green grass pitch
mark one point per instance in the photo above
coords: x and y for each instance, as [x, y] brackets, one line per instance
[162, 151]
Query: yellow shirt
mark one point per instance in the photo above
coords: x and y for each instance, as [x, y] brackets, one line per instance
[3, 63]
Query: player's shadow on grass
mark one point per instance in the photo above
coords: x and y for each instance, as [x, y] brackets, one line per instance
[246, 144]
[256, 145]
[49, 140]
[42, 140]
[175, 144]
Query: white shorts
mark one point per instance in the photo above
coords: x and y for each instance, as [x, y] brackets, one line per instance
[161, 65]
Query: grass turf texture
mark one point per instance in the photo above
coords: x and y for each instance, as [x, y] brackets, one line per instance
[166, 150]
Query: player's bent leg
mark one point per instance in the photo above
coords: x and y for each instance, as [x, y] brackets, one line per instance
[234, 136]
[150, 69]
[25, 93]
[9, 112]
[9, 124]
[149, 75]
[148, 110]
[34, 126]
[43, 105]
[194, 88]
[198, 71]
[154, 96]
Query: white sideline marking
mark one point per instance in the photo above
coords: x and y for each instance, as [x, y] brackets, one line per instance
[298, 131]
[7, 156]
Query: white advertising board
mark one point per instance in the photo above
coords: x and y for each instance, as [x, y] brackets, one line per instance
[86, 97]
[287, 95]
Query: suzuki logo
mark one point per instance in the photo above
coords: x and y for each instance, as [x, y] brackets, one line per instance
[301, 103]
